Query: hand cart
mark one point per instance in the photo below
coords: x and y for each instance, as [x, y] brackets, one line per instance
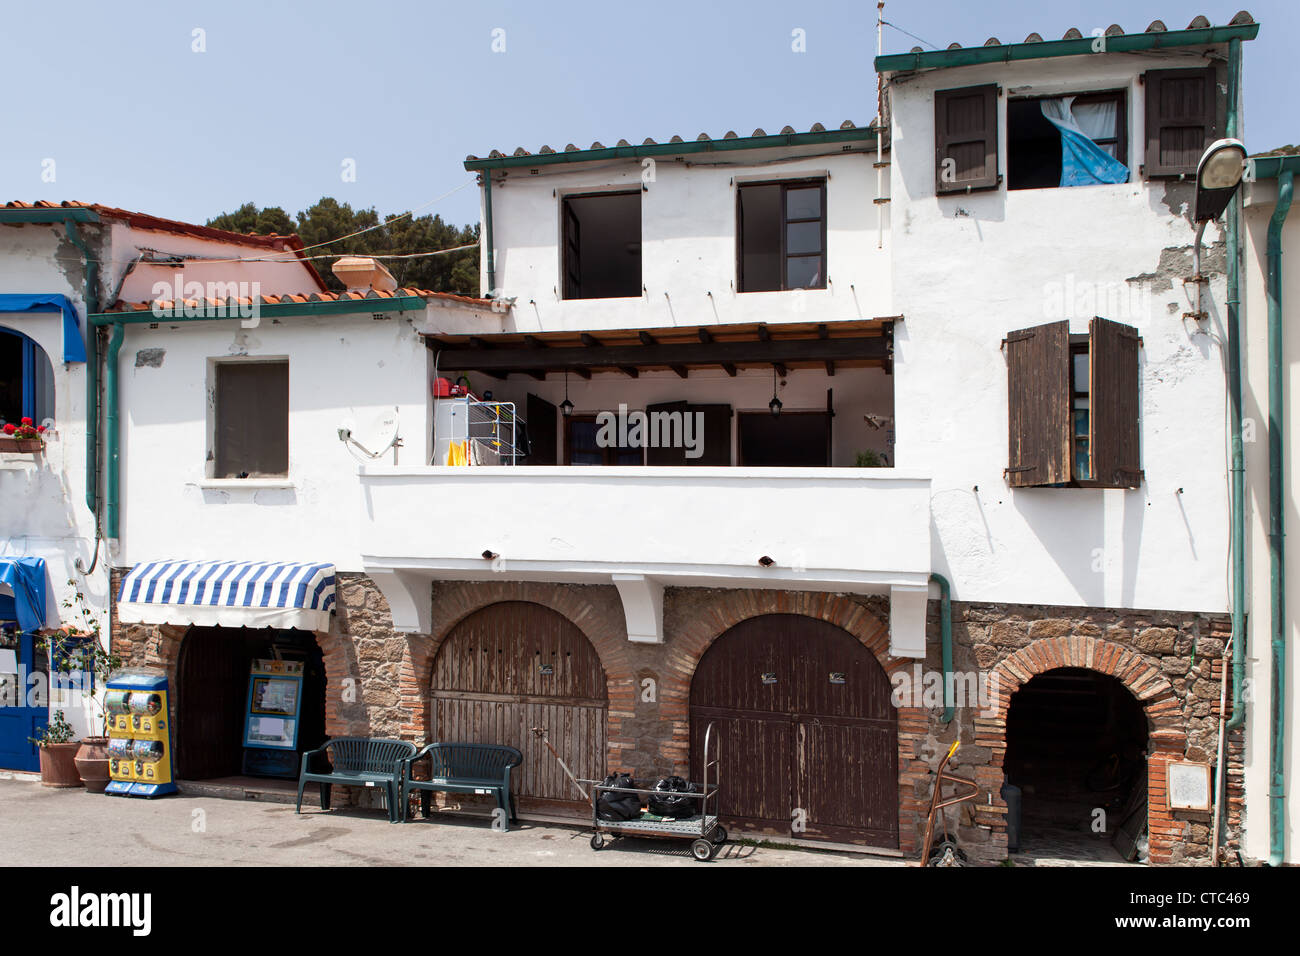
[945, 852]
[702, 829]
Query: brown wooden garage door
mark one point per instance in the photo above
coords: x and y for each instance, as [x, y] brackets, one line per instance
[513, 666]
[805, 723]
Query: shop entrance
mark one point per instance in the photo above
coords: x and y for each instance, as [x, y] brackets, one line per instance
[212, 679]
[809, 737]
[1076, 749]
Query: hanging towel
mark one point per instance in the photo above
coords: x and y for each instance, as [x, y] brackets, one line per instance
[1083, 162]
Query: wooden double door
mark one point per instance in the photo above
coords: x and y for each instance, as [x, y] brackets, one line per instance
[808, 735]
[513, 666]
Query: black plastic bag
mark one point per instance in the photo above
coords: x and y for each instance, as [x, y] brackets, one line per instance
[669, 805]
[619, 806]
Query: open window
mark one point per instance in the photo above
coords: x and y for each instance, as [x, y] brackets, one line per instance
[251, 427]
[26, 380]
[602, 245]
[1073, 406]
[1077, 140]
[782, 235]
[1184, 115]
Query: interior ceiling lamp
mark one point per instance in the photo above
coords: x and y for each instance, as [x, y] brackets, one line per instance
[566, 406]
[775, 404]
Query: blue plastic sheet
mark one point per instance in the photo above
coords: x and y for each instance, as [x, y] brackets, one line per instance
[74, 349]
[25, 578]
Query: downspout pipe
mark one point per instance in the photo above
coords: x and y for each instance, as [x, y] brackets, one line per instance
[487, 228]
[945, 629]
[1237, 473]
[111, 432]
[1276, 540]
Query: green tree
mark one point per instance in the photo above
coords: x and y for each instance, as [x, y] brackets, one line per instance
[329, 221]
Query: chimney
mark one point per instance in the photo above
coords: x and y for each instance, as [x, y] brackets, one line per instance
[362, 273]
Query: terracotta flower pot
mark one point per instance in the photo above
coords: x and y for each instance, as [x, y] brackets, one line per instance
[92, 763]
[59, 766]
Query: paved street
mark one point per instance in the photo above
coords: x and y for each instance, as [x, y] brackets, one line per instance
[39, 826]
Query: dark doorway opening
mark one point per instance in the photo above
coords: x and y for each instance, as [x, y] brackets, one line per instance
[212, 695]
[1076, 749]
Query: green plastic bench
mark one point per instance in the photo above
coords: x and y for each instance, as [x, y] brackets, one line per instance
[357, 762]
[463, 768]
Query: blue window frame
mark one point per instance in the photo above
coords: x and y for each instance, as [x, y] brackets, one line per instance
[26, 379]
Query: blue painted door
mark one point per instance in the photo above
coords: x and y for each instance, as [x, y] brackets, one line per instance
[18, 720]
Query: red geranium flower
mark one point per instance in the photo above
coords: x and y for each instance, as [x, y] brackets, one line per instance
[10, 428]
[40, 429]
[27, 421]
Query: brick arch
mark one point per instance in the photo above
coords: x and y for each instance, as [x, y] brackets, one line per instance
[1140, 676]
[595, 610]
[689, 642]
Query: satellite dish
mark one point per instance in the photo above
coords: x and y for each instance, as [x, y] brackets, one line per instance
[371, 433]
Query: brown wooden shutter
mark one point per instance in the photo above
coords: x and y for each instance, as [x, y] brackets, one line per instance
[1038, 405]
[543, 444]
[665, 456]
[252, 419]
[1182, 110]
[1113, 386]
[966, 132]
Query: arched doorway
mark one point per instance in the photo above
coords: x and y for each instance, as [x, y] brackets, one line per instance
[513, 666]
[809, 737]
[212, 678]
[1076, 749]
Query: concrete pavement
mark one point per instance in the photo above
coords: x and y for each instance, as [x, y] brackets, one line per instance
[44, 827]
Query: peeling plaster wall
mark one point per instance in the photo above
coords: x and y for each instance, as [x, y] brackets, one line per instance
[968, 269]
[1261, 199]
[43, 509]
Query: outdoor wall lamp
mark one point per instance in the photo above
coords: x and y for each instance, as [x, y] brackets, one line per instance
[566, 406]
[1218, 174]
[490, 555]
[766, 562]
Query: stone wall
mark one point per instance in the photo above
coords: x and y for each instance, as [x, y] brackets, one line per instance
[378, 683]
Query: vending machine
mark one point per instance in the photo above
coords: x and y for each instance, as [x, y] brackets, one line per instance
[139, 734]
[272, 721]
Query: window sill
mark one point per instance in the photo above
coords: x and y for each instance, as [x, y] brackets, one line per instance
[254, 484]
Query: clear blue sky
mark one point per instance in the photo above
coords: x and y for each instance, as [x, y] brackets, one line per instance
[285, 92]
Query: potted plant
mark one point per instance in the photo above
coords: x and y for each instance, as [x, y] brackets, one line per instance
[75, 649]
[26, 436]
[58, 753]
[869, 459]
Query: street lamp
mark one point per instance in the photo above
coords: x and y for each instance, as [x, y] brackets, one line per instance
[1218, 175]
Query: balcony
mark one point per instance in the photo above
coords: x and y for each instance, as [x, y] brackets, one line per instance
[861, 530]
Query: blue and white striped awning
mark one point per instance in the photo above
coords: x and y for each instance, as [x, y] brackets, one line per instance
[228, 594]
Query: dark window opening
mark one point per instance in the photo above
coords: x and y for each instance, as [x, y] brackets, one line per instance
[1041, 156]
[602, 245]
[782, 229]
[788, 440]
[252, 419]
[1080, 411]
[26, 380]
[582, 445]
